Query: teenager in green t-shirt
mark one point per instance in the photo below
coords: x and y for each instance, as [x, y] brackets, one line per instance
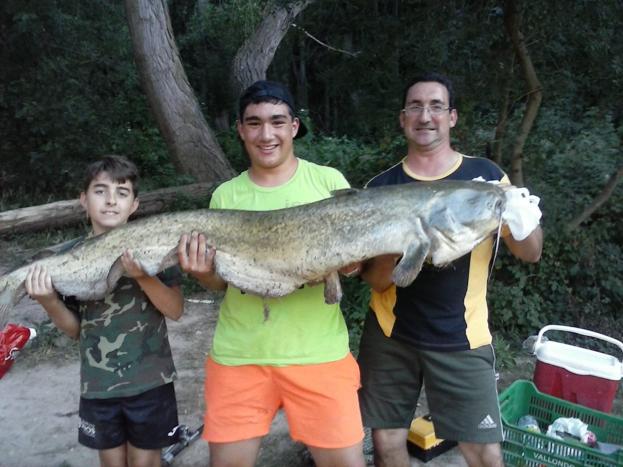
[296, 356]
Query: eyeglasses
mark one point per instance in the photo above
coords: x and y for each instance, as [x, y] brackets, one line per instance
[435, 109]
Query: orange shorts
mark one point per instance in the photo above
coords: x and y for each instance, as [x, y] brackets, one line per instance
[320, 402]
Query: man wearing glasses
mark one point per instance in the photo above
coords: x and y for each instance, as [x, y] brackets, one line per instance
[435, 331]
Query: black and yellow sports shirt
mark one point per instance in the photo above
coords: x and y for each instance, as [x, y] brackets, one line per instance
[444, 309]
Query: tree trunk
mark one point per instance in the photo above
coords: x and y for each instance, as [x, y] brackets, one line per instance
[500, 129]
[256, 54]
[192, 145]
[62, 213]
[300, 72]
[598, 201]
[535, 92]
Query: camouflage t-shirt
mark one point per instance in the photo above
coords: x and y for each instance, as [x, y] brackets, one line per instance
[124, 346]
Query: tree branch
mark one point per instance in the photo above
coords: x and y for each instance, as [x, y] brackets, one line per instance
[68, 212]
[256, 54]
[335, 49]
[599, 200]
[535, 92]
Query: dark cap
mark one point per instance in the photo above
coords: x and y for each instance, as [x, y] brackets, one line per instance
[267, 91]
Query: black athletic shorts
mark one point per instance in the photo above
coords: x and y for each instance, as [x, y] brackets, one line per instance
[147, 420]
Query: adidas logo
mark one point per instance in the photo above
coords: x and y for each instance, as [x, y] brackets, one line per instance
[487, 423]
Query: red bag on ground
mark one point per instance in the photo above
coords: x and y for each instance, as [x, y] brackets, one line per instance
[12, 339]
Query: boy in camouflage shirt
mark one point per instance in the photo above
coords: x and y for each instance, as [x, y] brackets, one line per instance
[128, 410]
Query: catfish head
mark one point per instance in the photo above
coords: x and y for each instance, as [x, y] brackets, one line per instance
[461, 218]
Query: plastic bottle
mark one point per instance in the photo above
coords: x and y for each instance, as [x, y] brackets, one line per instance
[529, 423]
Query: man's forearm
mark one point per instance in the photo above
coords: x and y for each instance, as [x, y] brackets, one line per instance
[528, 249]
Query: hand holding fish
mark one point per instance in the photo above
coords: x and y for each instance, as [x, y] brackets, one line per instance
[132, 267]
[197, 259]
[39, 286]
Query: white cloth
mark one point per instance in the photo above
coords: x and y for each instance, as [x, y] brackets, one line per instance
[522, 213]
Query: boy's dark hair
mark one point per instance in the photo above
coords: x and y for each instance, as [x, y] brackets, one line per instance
[432, 76]
[119, 168]
[273, 92]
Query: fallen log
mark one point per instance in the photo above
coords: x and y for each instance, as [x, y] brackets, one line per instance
[68, 212]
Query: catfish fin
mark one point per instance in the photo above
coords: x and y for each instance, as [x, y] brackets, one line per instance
[11, 292]
[332, 288]
[344, 192]
[410, 265]
[152, 268]
[114, 274]
[170, 259]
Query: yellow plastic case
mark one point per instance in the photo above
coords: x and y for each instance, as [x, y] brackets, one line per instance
[422, 442]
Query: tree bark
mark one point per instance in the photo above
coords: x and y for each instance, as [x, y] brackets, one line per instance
[256, 54]
[63, 213]
[191, 143]
[598, 201]
[535, 92]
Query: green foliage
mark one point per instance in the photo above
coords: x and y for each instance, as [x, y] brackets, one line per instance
[358, 161]
[578, 280]
[505, 353]
[355, 307]
[208, 36]
[234, 149]
[69, 94]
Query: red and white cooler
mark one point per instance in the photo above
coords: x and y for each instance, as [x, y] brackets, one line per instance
[575, 374]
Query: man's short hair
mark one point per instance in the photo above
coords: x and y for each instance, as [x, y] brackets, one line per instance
[273, 92]
[119, 168]
[435, 77]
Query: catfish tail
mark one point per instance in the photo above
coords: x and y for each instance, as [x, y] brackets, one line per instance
[12, 290]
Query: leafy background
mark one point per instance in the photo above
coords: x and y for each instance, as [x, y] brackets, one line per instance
[69, 92]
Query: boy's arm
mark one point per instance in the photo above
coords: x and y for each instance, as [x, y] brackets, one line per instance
[39, 286]
[168, 300]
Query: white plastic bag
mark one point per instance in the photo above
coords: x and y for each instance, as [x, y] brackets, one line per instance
[574, 428]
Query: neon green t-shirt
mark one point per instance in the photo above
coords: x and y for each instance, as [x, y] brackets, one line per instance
[300, 328]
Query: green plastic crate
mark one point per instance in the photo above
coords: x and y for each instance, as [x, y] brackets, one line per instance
[525, 448]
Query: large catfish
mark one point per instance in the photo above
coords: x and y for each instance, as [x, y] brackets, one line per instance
[272, 253]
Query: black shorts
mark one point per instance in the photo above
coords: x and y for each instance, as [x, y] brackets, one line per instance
[147, 420]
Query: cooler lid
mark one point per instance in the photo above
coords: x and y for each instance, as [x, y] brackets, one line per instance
[580, 361]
